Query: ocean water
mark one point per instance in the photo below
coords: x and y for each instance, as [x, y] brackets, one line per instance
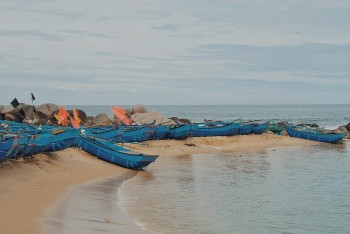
[279, 190]
[289, 190]
[327, 116]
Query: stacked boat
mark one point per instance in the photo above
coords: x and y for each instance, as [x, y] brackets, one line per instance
[21, 140]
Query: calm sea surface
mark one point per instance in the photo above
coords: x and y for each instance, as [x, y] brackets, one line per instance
[280, 190]
[323, 115]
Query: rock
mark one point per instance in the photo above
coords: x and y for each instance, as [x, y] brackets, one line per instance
[28, 110]
[151, 117]
[284, 133]
[185, 121]
[10, 117]
[81, 114]
[138, 109]
[117, 121]
[102, 119]
[139, 117]
[128, 112]
[89, 120]
[42, 118]
[158, 120]
[342, 129]
[47, 108]
[6, 109]
[175, 119]
[347, 127]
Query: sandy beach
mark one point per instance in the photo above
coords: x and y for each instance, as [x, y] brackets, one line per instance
[28, 187]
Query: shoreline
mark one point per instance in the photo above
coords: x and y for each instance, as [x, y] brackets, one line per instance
[30, 187]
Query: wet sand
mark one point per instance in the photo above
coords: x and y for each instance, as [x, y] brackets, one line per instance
[31, 188]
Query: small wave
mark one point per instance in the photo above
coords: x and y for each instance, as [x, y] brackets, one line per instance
[122, 201]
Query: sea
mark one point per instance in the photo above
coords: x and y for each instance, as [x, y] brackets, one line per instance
[278, 190]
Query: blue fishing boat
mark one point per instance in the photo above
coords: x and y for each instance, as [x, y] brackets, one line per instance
[129, 133]
[180, 132]
[6, 142]
[246, 128]
[34, 144]
[260, 128]
[161, 132]
[215, 129]
[29, 142]
[105, 132]
[314, 134]
[106, 150]
[135, 133]
[61, 139]
[18, 146]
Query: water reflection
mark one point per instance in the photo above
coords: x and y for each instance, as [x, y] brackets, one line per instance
[90, 208]
[290, 190]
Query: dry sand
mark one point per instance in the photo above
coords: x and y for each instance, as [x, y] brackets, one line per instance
[199, 145]
[28, 187]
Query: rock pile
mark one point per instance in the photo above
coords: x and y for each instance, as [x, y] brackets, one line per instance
[45, 114]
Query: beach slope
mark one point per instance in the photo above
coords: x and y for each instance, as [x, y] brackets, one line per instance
[28, 187]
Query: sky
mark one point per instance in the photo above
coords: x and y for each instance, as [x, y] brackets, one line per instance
[114, 52]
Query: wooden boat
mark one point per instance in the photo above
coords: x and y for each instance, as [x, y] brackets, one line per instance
[217, 128]
[314, 134]
[180, 132]
[112, 153]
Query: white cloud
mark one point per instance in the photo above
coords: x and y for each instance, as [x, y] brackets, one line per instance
[86, 49]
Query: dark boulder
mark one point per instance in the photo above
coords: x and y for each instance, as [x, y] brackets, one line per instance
[10, 117]
[138, 109]
[117, 121]
[47, 108]
[102, 119]
[185, 121]
[81, 114]
[347, 127]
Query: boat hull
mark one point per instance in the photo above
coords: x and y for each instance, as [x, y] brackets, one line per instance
[114, 154]
[246, 129]
[328, 138]
[180, 132]
[260, 128]
[204, 130]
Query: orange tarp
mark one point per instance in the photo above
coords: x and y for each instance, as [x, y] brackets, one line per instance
[62, 117]
[76, 120]
[121, 114]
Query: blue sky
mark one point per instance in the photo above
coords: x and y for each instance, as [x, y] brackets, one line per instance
[175, 52]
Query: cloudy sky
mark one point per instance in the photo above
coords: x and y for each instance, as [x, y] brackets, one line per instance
[175, 52]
